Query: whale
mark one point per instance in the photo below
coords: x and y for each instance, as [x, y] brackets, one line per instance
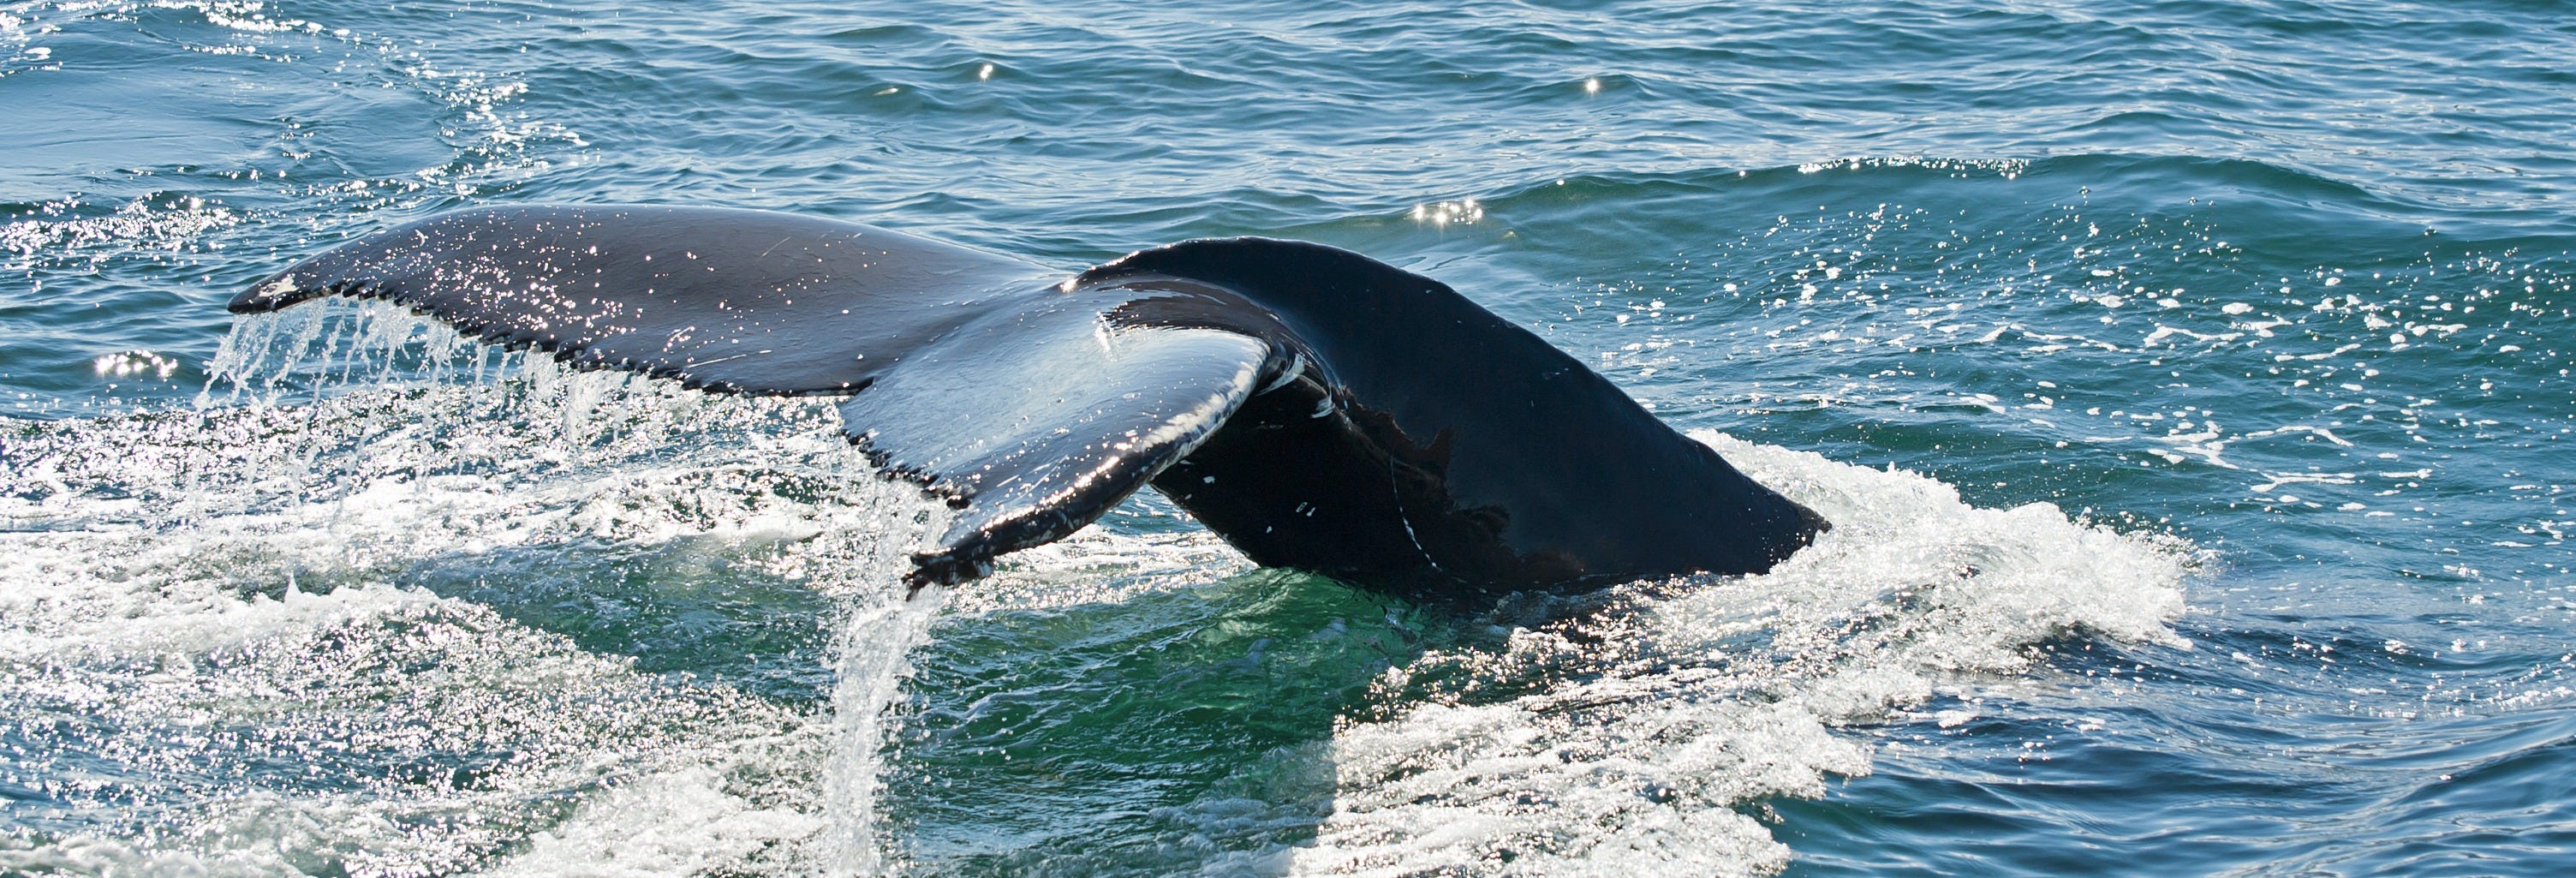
[1315, 408]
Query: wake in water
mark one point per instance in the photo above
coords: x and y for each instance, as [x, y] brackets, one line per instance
[522, 621]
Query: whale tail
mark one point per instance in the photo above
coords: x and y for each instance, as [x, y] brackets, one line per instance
[1316, 408]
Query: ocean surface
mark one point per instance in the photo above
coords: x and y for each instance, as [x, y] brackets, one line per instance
[2188, 380]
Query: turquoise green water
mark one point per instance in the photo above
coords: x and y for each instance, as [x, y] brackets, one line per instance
[2188, 382]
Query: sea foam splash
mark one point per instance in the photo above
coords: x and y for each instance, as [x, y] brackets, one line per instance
[1641, 737]
[255, 639]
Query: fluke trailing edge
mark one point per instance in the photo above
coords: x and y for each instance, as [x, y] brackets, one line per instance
[1316, 408]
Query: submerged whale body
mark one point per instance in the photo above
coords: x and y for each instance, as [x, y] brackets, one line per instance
[1315, 408]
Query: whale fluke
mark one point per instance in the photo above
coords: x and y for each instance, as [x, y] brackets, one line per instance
[1315, 408]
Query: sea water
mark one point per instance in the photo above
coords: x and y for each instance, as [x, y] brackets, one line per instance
[2188, 383]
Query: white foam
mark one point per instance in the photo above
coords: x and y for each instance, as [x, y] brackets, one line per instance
[684, 822]
[1643, 733]
[375, 694]
[190, 600]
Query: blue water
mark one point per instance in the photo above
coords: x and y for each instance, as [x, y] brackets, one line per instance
[2189, 381]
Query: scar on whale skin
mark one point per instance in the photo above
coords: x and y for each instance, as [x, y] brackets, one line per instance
[1316, 408]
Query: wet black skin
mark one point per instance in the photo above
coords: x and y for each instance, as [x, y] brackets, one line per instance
[1315, 408]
